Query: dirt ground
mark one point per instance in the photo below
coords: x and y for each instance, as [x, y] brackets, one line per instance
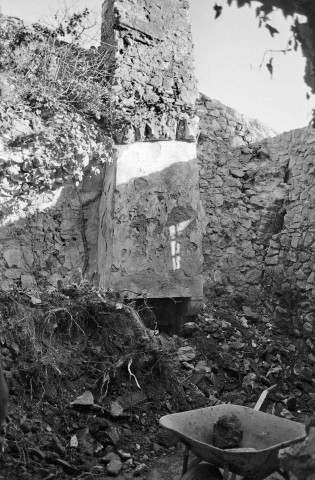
[74, 365]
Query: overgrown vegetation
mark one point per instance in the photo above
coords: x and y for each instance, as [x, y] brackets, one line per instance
[48, 71]
[81, 369]
[59, 329]
[54, 102]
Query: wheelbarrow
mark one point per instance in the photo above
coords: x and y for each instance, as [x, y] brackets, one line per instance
[257, 456]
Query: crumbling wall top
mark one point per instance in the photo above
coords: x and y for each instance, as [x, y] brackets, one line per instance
[154, 84]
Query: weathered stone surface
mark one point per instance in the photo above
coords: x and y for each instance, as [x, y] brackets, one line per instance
[47, 233]
[264, 234]
[257, 191]
[186, 354]
[28, 281]
[189, 328]
[166, 439]
[13, 257]
[110, 456]
[140, 469]
[114, 467]
[156, 91]
[85, 399]
[152, 222]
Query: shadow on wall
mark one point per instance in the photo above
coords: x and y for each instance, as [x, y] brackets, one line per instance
[51, 239]
[157, 225]
[156, 247]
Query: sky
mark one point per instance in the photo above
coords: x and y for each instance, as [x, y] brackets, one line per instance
[228, 52]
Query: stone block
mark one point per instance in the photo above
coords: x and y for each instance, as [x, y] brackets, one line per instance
[12, 273]
[248, 253]
[271, 260]
[215, 126]
[14, 258]
[237, 142]
[295, 241]
[28, 281]
[233, 182]
[236, 172]
[308, 239]
[6, 285]
[253, 276]
[214, 112]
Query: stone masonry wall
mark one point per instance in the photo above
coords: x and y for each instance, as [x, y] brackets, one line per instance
[233, 253]
[150, 212]
[289, 274]
[258, 191]
[52, 172]
[146, 226]
[153, 78]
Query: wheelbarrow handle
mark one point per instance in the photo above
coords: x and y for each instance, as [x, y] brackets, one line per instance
[263, 396]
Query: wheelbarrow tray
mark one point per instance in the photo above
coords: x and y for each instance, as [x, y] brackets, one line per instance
[262, 431]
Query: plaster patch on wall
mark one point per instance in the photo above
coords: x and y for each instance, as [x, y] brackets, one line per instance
[153, 245]
[142, 159]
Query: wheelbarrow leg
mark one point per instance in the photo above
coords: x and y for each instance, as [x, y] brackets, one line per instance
[192, 464]
[226, 472]
[185, 461]
[284, 474]
[203, 471]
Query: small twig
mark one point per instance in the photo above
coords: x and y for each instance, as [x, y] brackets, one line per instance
[131, 374]
[284, 51]
[106, 379]
[50, 476]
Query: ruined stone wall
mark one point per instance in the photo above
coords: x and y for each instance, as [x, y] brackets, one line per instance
[157, 217]
[232, 247]
[289, 273]
[153, 78]
[52, 172]
[150, 212]
[139, 229]
[258, 192]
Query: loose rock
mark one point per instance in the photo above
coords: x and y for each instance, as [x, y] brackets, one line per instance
[114, 467]
[227, 432]
[141, 468]
[167, 439]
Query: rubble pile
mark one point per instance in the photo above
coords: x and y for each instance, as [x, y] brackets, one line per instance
[230, 357]
[85, 420]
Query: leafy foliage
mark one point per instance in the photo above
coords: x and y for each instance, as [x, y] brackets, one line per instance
[270, 66]
[218, 10]
[262, 12]
[49, 325]
[288, 7]
[271, 29]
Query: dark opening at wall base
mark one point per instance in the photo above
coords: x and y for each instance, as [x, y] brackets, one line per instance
[168, 314]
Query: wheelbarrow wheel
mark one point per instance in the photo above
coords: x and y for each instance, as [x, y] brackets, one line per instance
[203, 471]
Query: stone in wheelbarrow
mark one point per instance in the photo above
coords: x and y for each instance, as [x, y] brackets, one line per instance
[227, 432]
